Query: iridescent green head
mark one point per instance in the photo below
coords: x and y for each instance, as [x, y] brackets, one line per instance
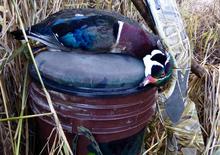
[158, 68]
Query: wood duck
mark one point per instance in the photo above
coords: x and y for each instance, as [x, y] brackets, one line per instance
[92, 31]
[158, 68]
[96, 31]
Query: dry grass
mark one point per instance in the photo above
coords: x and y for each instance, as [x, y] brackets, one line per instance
[203, 29]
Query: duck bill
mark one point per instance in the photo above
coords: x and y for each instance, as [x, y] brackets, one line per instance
[149, 80]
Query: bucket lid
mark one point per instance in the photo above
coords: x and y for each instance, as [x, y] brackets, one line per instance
[85, 72]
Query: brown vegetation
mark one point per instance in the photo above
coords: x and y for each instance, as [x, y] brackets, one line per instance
[203, 26]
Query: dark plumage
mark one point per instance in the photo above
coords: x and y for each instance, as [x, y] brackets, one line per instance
[95, 31]
[92, 30]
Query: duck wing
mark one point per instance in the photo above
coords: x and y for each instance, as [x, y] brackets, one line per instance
[76, 28]
[93, 32]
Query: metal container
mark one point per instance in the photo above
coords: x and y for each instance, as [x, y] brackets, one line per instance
[99, 92]
[117, 122]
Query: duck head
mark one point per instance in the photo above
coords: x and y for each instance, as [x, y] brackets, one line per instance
[158, 68]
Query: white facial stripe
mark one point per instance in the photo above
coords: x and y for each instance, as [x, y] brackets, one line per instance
[119, 31]
[148, 63]
[154, 52]
[157, 63]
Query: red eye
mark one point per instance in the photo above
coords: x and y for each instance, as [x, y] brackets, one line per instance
[163, 74]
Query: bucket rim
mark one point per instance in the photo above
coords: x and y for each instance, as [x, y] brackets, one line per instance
[92, 92]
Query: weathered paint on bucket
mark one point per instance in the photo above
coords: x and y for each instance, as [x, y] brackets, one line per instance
[116, 122]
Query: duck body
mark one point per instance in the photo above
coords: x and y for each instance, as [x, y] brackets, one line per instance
[92, 31]
[98, 31]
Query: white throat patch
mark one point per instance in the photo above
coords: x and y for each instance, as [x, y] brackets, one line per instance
[148, 63]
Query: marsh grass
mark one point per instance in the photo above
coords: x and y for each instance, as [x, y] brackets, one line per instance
[203, 29]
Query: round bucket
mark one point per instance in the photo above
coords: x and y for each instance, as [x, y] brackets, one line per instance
[116, 122]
